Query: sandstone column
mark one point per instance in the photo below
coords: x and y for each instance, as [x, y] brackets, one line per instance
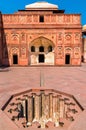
[37, 107]
[47, 106]
[30, 108]
[24, 108]
[43, 104]
[61, 108]
[56, 110]
[51, 104]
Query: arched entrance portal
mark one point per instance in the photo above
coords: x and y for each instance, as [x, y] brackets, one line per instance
[43, 51]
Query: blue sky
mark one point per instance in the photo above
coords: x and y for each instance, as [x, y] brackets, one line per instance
[70, 6]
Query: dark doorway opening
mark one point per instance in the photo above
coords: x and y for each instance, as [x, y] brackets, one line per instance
[15, 59]
[67, 59]
[41, 58]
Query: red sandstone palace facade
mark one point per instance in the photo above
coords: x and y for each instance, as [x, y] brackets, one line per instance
[40, 35]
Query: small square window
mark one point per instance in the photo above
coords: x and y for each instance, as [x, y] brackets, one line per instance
[41, 18]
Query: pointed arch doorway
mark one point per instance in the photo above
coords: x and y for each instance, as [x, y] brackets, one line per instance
[43, 51]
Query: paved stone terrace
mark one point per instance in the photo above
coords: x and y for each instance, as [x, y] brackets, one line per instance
[71, 80]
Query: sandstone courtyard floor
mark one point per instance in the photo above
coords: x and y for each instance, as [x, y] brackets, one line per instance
[70, 80]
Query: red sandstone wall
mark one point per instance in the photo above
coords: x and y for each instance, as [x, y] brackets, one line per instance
[64, 30]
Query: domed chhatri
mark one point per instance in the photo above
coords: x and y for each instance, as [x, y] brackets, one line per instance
[84, 28]
[42, 5]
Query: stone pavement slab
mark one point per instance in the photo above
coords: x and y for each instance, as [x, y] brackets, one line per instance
[70, 80]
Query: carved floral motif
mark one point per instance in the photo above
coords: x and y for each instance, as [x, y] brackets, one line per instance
[68, 37]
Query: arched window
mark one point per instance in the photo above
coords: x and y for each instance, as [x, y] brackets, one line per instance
[41, 49]
[32, 49]
[50, 49]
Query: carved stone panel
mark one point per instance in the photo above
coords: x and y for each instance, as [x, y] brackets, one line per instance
[35, 18]
[68, 38]
[23, 52]
[15, 38]
[77, 38]
[60, 18]
[14, 50]
[60, 36]
[23, 37]
[29, 18]
[59, 52]
[77, 52]
[53, 18]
